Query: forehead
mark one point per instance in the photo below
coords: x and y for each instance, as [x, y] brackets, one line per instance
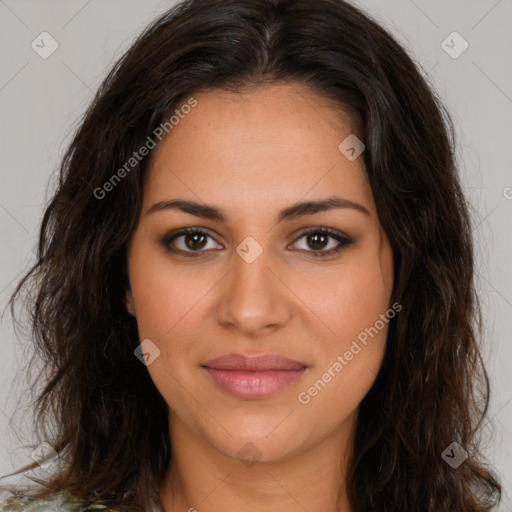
[273, 143]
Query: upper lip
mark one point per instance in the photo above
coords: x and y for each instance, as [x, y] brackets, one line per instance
[254, 363]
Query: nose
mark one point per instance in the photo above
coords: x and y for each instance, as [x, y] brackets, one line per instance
[253, 299]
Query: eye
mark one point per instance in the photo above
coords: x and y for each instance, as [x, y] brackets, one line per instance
[194, 241]
[321, 238]
[188, 240]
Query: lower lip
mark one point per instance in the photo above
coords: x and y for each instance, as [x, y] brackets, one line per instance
[254, 385]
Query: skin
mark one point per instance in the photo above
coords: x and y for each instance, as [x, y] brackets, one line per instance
[253, 154]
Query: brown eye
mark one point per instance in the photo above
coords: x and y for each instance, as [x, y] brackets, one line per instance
[318, 239]
[189, 241]
[195, 241]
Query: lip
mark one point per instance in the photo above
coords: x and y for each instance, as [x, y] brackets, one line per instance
[254, 377]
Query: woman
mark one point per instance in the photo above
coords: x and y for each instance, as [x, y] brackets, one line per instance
[255, 280]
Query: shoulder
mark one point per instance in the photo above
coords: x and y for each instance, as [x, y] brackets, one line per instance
[58, 502]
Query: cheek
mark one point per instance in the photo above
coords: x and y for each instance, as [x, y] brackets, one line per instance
[354, 296]
[167, 303]
[172, 304]
[164, 296]
[356, 307]
[348, 298]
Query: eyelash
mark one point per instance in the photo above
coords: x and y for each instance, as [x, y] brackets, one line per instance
[343, 241]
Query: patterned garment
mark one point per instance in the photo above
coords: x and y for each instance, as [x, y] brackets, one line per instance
[57, 503]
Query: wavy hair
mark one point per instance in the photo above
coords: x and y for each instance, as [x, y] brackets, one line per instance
[432, 389]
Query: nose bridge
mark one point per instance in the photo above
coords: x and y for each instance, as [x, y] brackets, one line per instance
[251, 270]
[253, 297]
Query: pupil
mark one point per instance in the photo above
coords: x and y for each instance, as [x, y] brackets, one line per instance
[191, 239]
[317, 240]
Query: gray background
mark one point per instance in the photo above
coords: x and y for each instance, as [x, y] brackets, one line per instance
[41, 101]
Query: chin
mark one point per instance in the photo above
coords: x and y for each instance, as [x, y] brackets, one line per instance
[261, 438]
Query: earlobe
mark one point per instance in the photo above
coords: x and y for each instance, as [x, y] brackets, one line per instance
[128, 302]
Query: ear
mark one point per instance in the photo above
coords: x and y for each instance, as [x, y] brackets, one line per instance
[128, 302]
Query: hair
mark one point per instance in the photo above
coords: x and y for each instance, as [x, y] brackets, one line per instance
[432, 388]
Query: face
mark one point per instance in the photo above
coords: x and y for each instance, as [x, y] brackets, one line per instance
[307, 288]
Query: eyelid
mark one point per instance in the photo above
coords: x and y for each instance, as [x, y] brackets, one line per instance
[343, 240]
[170, 237]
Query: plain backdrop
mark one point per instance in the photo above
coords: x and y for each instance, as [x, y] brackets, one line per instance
[41, 101]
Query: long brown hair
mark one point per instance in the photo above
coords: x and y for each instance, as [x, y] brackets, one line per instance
[432, 389]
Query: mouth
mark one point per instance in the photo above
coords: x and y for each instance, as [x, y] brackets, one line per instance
[254, 377]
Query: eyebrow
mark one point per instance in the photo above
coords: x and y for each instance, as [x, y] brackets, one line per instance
[295, 211]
